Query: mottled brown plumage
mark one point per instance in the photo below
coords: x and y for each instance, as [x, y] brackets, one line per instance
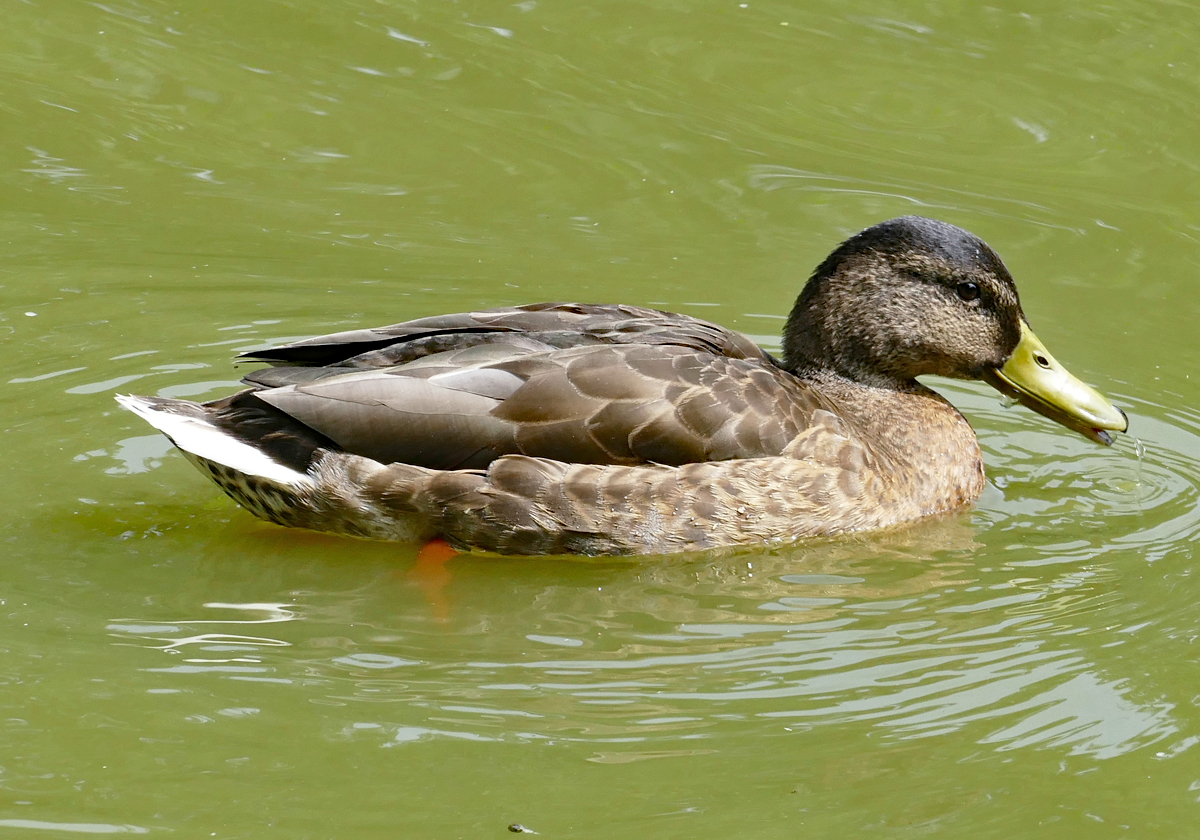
[603, 429]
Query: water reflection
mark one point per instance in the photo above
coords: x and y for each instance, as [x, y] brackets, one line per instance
[902, 633]
[924, 199]
[75, 827]
[207, 652]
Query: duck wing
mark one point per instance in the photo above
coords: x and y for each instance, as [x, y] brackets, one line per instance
[600, 403]
[548, 325]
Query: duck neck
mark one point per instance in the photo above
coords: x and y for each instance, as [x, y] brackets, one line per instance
[821, 332]
[828, 328]
[923, 448]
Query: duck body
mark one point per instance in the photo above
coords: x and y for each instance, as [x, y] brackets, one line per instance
[606, 429]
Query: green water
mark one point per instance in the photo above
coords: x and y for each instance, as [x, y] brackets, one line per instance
[183, 181]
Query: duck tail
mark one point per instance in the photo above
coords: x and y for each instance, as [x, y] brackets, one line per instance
[249, 472]
[277, 468]
[199, 432]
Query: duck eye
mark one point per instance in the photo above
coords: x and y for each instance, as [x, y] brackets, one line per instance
[968, 291]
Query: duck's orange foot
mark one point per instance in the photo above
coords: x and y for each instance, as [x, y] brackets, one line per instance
[436, 552]
[430, 573]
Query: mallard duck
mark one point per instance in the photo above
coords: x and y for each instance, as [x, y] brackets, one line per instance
[608, 429]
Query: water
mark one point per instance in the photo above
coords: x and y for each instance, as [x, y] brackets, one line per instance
[184, 183]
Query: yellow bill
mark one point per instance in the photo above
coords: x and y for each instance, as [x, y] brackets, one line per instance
[1036, 380]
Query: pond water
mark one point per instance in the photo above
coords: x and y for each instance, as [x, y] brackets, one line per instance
[184, 181]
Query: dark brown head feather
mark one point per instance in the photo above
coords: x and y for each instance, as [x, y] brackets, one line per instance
[884, 306]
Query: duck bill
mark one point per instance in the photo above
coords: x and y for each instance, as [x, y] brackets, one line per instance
[1036, 380]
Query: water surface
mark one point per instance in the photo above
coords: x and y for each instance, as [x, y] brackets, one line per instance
[182, 183]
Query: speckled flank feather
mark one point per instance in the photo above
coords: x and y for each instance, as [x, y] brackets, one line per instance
[266, 499]
[333, 502]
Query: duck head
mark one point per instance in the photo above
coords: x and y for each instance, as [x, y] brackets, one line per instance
[915, 296]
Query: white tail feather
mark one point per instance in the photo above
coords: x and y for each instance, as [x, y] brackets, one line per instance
[200, 438]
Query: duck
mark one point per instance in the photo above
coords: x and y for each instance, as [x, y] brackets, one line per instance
[611, 429]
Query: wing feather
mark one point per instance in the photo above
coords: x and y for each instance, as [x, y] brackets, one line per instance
[627, 386]
[551, 325]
